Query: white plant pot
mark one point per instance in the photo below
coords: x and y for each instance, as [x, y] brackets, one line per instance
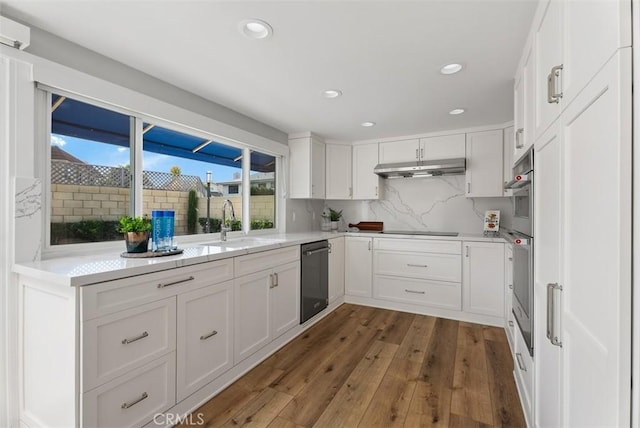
[334, 225]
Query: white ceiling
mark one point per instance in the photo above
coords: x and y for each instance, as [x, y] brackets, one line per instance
[383, 55]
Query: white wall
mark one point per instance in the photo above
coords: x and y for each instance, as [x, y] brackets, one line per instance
[434, 203]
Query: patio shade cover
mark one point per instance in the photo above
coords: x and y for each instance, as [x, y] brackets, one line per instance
[81, 120]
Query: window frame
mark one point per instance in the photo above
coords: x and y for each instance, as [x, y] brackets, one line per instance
[43, 134]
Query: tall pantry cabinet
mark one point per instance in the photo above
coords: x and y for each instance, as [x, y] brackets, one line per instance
[582, 278]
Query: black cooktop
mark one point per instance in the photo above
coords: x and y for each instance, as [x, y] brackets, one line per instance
[419, 232]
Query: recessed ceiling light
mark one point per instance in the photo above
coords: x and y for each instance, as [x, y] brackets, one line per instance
[451, 68]
[368, 124]
[332, 93]
[457, 111]
[255, 29]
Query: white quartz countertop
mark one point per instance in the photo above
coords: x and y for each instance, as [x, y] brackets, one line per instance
[108, 266]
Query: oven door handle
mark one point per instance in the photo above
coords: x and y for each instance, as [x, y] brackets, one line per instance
[519, 181]
[516, 240]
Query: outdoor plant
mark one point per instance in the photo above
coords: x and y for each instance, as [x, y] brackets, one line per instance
[192, 212]
[134, 224]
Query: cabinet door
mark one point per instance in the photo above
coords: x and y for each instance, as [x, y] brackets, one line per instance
[484, 164]
[525, 107]
[317, 168]
[548, 227]
[593, 31]
[518, 117]
[507, 160]
[596, 295]
[483, 278]
[336, 268]
[399, 151]
[365, 182]
[338, 172]
[358, 266]
[444, 147]
[548, 46]
[285, 298]
[300, 168]
[251, 315]
[205, 336]
[508, 294]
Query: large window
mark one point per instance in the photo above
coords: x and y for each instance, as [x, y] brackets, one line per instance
[90, 186]
[94, 180]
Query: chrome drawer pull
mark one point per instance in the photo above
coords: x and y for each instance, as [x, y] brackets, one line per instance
[133, 339]
[415, 292]
[206, 336]
[511, 286]
[520, 362]
[166, 284]
[415, 265]
[134, 402]
[510, 323]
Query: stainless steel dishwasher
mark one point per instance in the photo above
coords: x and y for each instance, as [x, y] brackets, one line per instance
[314, 281]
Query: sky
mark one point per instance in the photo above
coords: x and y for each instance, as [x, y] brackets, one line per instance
[96, 153]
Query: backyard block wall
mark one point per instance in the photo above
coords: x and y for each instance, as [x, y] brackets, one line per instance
[73, 203]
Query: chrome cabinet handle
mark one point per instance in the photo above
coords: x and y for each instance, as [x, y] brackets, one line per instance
[552, 335]
[272, 281]
[414, 291]
[376, 190]
[553, 97]
[129, 404]
[468, 187]
[350, 192]
[206, 336]
[520, 362]
[319, 250]
[416, 265]
[417, 156]
[510, 259]
[127, 341]
[466, 251]
[510, 323]
[277, 279]
[421, 153]
[519, 135]
[511, 286]
[369, 245]
[329, 247]
[166, 284]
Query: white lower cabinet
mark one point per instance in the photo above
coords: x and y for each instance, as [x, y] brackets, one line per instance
[205, 336]
[483, 278]
[509, 322]
[132, 400]
[523, 373]
[438, 294]
[358, 263]
[336, 268]
[267, 304]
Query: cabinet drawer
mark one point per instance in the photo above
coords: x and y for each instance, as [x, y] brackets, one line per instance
[418, 245]
[251, 263]
[437, 267]
[113, 296]
[446, 295]
[523, 369]
[134, 399]
[117, 343]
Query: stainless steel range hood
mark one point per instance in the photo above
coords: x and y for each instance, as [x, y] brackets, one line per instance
[431, 168]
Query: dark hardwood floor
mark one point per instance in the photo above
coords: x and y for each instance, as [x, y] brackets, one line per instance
[368, 367]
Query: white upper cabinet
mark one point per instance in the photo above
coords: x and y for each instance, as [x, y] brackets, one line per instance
[484, 164]
[338, 172]
[524, 91]
[306, 168]
[400, 151]
[366, 184]
[548, 48]
[431, 148]
[593, 31]
[443, 147]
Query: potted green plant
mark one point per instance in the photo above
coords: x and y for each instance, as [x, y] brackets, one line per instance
[136, 232]
[334, 216]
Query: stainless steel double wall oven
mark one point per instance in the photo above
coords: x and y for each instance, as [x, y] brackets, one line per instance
[521, 237]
